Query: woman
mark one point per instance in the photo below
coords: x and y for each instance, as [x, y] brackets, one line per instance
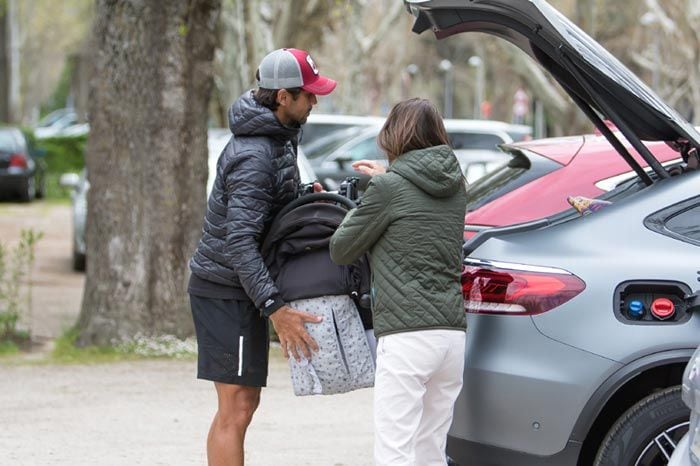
[411, 220]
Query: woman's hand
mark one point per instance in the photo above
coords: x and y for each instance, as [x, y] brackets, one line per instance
[369, 167]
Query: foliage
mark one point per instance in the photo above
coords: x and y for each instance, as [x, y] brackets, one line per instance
[140, 347]
[16, 269]
[63, 155]
[159, 346]
[66, 351]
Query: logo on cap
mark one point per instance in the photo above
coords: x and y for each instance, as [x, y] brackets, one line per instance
[311, 63]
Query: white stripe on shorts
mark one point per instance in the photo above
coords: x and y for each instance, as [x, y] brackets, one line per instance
[240, 356]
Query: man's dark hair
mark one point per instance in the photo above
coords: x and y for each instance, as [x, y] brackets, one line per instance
[268, 97]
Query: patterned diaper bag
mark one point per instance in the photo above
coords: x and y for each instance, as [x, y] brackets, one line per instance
[296, 253]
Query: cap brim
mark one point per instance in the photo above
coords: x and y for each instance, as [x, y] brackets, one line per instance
[322, 86]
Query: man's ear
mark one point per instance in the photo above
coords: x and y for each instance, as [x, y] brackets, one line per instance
[282, 97]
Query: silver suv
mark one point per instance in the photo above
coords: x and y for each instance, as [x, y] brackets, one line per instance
[580, 326]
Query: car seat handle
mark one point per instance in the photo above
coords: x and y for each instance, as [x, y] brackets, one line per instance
[317, 197]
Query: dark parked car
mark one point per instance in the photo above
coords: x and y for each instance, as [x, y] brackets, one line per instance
[22, 172]
[580, 326]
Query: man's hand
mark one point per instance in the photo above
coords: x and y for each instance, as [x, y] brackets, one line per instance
[289, 325]
[318, 187]
[369, 167]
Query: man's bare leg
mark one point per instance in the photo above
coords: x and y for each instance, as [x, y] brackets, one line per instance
[237, 403]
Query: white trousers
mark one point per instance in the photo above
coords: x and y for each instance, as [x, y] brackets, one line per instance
[418, 378]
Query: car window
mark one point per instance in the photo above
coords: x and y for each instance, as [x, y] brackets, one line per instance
[474, 141]
[679, 221]
[518, 171]
[365, 149]
[686, 223]
[314, 131]
[328, 144]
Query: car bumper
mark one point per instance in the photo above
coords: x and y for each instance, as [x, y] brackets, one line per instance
[12, 182]
[522, 395]
[465, 453]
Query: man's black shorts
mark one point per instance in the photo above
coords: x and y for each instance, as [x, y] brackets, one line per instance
[232, 340]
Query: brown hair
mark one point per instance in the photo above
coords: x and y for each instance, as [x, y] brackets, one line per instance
[411, 124]
[268, 97]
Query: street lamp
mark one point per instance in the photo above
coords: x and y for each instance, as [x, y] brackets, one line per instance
[446, 68]
[478, 64]
[407, 78]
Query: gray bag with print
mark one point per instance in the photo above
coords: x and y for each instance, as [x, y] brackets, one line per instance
[296, 255]
[344, 361]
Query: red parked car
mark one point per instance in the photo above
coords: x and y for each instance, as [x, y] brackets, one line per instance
[541, 175]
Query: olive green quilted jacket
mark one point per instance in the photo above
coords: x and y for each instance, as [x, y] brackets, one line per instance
[411, 220]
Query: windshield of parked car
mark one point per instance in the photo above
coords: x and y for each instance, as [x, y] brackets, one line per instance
[330, 143]
[8, 141]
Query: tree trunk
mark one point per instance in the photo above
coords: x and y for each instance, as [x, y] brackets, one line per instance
[9, 62]
[147, 164]
[4, 68]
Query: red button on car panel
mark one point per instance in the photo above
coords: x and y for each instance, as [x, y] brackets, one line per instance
[662, 308]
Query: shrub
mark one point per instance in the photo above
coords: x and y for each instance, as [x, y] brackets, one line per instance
[63, 155]
[16, 269]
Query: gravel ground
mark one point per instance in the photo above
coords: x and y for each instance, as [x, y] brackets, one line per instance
[146, 412]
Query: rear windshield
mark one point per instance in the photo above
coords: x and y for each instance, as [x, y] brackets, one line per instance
[518, 171]
[8, 142]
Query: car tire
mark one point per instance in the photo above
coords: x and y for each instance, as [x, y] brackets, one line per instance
[41, 188]
[78, 262]
[633, 436]
[28, 190]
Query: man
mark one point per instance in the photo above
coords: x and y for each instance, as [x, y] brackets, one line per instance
[231, 292]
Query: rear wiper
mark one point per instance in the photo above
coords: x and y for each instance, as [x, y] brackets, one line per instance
[481, 237]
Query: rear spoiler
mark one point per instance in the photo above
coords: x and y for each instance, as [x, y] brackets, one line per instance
[481, 237]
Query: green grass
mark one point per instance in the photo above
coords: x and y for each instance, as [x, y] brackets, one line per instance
[8, 348]
[66, 352]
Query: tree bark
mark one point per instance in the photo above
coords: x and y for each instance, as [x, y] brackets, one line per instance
[4, 65]
[147, 164]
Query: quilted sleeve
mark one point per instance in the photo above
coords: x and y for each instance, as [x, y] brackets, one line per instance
[363, 226]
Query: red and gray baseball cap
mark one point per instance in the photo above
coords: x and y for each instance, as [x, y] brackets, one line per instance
[287, 68]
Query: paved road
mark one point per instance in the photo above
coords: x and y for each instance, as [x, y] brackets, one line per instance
[146, 412]
[156, 413]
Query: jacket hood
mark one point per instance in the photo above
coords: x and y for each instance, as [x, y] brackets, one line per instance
[435, 170]
[247, 117]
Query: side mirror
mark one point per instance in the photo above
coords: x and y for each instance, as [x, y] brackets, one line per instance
[69, 180]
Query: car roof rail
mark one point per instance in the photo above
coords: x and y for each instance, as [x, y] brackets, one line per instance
[481, 237]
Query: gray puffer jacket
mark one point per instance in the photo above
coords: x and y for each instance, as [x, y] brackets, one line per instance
[256, 175]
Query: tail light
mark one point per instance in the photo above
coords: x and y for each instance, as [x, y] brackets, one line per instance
[18, 161]
[515, 289]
